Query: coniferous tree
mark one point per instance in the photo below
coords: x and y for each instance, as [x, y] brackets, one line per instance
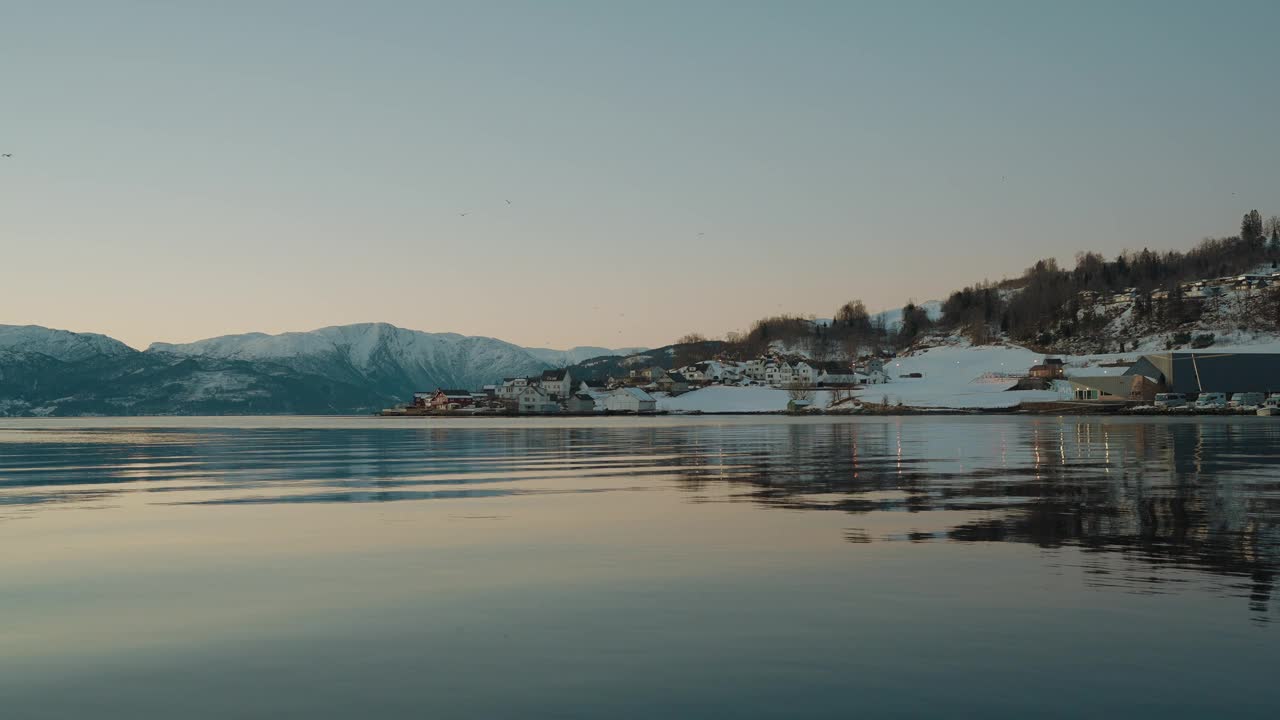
[1251, 228]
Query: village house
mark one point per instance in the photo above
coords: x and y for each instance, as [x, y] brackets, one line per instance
[694, 373]
[843, 378]
[557, 383]
[580, 403]
[510, 388]
[533, 400]
[443, 399]
[673, 383]
[630, 400]
[649, 373]
[802, 373]
[1050, 369]
[716, 371]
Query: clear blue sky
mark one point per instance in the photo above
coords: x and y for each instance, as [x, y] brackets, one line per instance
[187, 169]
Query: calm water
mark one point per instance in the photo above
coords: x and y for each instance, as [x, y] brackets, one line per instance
[916, 567]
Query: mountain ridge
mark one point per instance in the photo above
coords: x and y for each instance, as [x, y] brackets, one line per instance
[337, 369]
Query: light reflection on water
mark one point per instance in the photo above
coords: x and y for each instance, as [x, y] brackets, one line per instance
[1165, 528]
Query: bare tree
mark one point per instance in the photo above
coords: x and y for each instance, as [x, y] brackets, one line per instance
[798, 392]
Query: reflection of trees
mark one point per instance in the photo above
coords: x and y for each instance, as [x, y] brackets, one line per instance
[1198, 495]
[1182, 495]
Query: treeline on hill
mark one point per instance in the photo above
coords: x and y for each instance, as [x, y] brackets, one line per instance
[852, 332]
[1040, 308]
[1048, 304]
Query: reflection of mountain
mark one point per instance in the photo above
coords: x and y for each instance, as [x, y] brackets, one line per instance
[1144, 500]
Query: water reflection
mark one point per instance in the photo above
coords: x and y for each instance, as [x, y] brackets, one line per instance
[1147, 500]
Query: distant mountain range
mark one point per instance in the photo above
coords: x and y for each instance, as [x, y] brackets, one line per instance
[343, 369]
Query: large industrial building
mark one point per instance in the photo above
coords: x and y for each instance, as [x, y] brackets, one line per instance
[1189, 373]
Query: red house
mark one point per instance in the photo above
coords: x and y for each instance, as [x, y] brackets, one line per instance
[450, 400]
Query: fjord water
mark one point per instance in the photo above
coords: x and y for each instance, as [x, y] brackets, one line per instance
[712, 567]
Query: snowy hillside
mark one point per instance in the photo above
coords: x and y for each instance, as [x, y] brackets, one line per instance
[60, 344]
[393, 360]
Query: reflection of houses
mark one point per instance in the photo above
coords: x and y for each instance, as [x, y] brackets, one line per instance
[630, 399]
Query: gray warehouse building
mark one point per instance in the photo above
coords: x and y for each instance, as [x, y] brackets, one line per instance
[1193, 373]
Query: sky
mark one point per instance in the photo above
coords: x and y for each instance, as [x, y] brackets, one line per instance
[603, 173]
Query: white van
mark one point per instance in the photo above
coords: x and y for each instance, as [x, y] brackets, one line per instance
[1168, 401]
[1211, 401]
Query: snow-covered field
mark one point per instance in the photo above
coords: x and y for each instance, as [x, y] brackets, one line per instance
[726, 399]
[953, 378]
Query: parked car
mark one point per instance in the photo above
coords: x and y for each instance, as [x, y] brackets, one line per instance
[1168, 401]
[1247, 400]
[1211, 401]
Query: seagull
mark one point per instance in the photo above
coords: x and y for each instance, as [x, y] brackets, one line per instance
[508, 202]
[463, 214]
[6, 155]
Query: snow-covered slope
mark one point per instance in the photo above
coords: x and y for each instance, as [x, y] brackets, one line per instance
[395, 360]
[726, 399]
[60, 344]
[958, 376]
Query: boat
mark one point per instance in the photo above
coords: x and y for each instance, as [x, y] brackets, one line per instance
[1270, 407]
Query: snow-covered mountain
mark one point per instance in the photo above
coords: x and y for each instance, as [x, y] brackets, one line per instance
[343, 369]
[60, 344]
[390, 360]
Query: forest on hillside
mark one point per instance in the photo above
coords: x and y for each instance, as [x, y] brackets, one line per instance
[1045, 305]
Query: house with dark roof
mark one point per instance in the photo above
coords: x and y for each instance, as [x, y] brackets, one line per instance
[580, 403]
[557, 383]
[673, 382]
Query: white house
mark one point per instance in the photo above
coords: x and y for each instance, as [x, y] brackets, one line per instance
[629, 399]
[535, 401]
[694, 373]
[836, 379]
[755, 369]
[557, 383]
[803, 373]
[876, 376]
[510, 388]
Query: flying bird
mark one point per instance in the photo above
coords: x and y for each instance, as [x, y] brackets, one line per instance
[508, 202]
[6, 155]
[463, 214]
